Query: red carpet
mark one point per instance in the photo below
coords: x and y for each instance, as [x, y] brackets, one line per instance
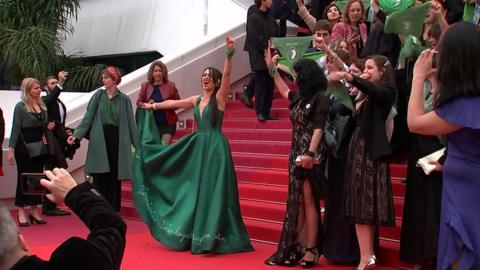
[143, 252]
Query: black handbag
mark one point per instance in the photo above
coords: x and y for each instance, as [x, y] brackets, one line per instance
[36, 149]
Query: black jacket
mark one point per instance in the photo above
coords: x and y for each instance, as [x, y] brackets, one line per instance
[52, 101]
[104, 246]
[372, 116]
[260, 28]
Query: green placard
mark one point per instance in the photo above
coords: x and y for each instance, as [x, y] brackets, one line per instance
[408, 22]
[313, 56]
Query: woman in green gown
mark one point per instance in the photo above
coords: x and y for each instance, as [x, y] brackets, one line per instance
[187, 192]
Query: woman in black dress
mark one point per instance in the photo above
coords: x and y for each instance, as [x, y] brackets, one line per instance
[301, 240]
[29, 124]
[369, 200]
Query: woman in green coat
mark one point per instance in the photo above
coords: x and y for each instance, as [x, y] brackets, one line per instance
[110, 125]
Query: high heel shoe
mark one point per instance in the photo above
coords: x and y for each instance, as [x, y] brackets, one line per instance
[35, 220]
[372, 263]
[22, 224]
[312, 263]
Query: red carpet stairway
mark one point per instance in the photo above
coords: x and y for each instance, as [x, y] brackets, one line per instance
[260, 153]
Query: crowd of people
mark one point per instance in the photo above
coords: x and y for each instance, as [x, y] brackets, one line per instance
[369, 95]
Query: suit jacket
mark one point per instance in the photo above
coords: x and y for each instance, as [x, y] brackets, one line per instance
[52, 101]
[168, 91]
[260, 28]
[343, 30]
[373, 113]
[103, 249]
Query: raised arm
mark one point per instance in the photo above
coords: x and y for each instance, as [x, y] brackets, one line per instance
[306, 16]
[222, 94]
[185, 103]
[272, 66]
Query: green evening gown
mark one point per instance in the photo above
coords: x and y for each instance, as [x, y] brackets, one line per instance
[187, 192]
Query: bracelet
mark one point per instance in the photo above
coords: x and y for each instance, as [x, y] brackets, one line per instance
[153, 106]
[310, 154]
[230, 52]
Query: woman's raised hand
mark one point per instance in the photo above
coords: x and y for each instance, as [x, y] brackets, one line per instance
[229, 42]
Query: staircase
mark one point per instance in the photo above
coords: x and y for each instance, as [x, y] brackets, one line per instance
[260, 155]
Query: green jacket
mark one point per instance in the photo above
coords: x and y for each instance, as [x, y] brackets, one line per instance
[97, 159]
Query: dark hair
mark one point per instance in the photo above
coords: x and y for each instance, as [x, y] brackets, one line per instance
[458, 63]
[346, 12]
[216, 76]
[359, 62]
[435, 31]
[258, 3]
[310, 78]
[384, 64]
[342, 54]
[152, 67]
[323, 25]
[45, 82]
[325, 11]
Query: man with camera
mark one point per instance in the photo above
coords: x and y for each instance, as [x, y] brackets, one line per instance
[103, 248]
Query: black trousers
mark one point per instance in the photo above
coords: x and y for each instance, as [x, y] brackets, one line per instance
[107, 183]
[263, 92]
[249, 90]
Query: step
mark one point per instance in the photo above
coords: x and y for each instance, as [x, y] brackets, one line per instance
[262, 210]
[281, 113]
[398, 170]
[255, 124]
[261, 147]
[256, 192]
[260, 161]
[284, 135]
[262, 176]
[263, 230]
[276, 103]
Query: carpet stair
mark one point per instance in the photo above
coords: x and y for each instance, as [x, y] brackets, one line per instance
[260, 155]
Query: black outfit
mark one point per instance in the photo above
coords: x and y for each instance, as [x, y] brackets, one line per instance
[421, 210]
[368, 189]
[25, 164]
[103, 181]
[56, 137]
[104, 246]
[340, 240]
[260, 28]
[305, 115]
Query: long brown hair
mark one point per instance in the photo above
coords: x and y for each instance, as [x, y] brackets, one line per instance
[346, 12]
[160, 64]
[216, 76]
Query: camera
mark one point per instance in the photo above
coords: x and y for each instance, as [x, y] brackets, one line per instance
[30, 183]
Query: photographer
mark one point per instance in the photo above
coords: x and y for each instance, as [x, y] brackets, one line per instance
[103, 248]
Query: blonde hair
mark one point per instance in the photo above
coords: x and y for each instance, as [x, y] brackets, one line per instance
[25, 96]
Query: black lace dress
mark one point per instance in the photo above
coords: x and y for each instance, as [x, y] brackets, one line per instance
[305, 117]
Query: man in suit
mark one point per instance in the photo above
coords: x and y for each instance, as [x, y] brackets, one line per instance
[56, 114]
[261, 27]
[102, 249]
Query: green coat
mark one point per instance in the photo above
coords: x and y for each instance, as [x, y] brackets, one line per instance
[97, 159]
